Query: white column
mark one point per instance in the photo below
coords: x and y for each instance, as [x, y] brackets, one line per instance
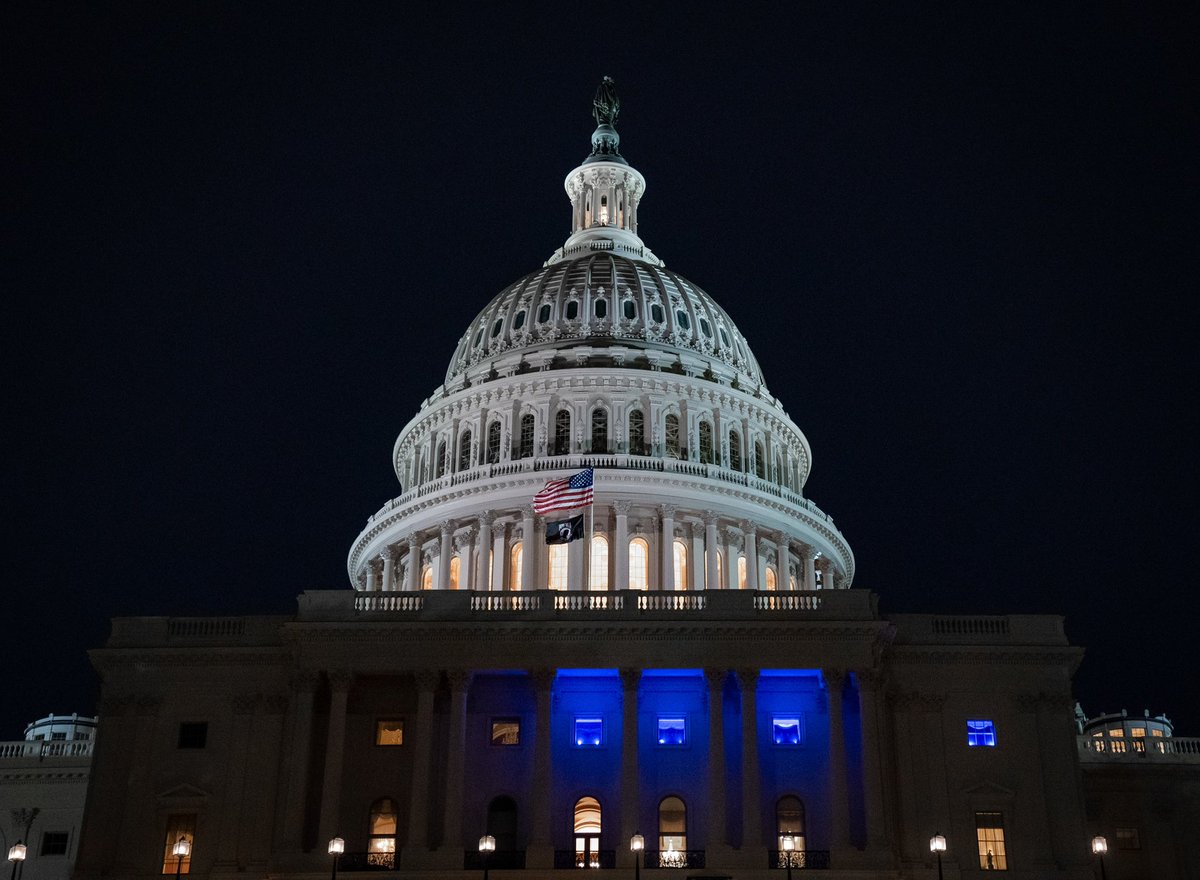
[710, 552]
[575, 564]
[529, 548]
[372, 584]
[620, 548]
[732, 542]
[414, 564]
[483, 552]
[666, 577]
[826, 568]
[695, 557]
[389, 566]
[751, 551]
[444, 553]
[810, 571]
[500, 558]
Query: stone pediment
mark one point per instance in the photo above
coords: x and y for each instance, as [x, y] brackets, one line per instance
[182, 792]
[989, 790]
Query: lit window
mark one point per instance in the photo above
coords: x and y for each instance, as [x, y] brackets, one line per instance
[639, 564]
[672, 731]
[54, 843]
[786, 731]
[789, 822]
[180, 827]
[558, 567]
[720, 572]
[989, 834]
[741, 572]
[981, 733]
[506, 732]
[389, 732]
[599, 567]
[680, 560]
[514, 574]
[589, 731]
[587, 833]
[381, 848]
[193, 734]
[672, 833]
[427, 579]
[455, 567]
[771, 579]
[1128, 838]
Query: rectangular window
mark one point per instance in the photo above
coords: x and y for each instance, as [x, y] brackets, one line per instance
[1128, 838]
[506, 732]
[989, 834]
[981, 733]
[558, 567]
[786, 731]
[672, 731]
[389, 732]
[589, 731]
[193, 734]
[180, 826]
[58, 736]
[54, 843]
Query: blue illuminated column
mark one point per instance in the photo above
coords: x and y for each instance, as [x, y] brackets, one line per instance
[331, 790]
[869, 681]
[418, 813]
[747, 680]
[629, 756]
[838, 800]
[541, 836]
[460, 681]
[715, 679]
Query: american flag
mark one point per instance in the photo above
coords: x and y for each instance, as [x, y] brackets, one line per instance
[575, 491]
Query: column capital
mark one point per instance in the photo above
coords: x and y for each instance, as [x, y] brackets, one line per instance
[543, 679]
[715, 678]
[498, 529]
[445, 527]
[527, 511]
[630, 679]
[709, 517]
[463, 540]
[622, 508]
[732, 535]
[459, 679]
[340, 679]
[667, 511]
[747, 679]
[748, 527]
[387, 554]
[485, 519]
[834, 678]
[804, 551]
[427, 679]
[413, 541]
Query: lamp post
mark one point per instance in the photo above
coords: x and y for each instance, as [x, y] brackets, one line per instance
[937, 844]
[1100, 847]
[487, 845]
[337, 846]
[788, 844]
[181, 849]
[16, 855]
[637, 843]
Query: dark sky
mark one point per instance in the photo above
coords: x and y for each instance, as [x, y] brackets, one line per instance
[241, 241]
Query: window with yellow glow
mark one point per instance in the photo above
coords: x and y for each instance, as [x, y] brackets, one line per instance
[720, 572]
[587, 833]
[180, 826]
[789, 822]
[557, 574]
[741, 572]
[599, 563]
[680, 554]
[427, 578]
[639, 564]
[672, 832]
[770, 578]
[381, 846]
[989, 834]
[514, 572]
[389, 732]
[455, 566]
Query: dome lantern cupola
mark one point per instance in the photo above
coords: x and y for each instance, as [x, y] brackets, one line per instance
[605, 191]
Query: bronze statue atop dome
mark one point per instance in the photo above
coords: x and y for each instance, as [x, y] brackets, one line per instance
[606, 105]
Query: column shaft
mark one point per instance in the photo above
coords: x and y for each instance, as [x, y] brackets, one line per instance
[335, 748]
[528, 552]
[389, 563]
[452, 825]
[838, 799]
[541, 834]
[710, 553]
[620, 548]
[751, 783]
[666, 580]
[445, 551]
[715, 679]
[629, 761]
[418, 813]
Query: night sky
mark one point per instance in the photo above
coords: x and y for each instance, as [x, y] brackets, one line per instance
[241, 242]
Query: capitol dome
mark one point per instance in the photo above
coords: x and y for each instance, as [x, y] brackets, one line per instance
[603, 359]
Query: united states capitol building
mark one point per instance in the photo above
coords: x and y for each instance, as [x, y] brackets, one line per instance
[698, 673]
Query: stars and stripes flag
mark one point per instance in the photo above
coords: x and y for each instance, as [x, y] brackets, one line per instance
[566, 494]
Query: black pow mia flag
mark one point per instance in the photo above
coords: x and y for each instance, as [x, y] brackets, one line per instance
[564, 531]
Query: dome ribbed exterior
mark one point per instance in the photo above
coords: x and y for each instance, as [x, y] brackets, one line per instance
[615, 306]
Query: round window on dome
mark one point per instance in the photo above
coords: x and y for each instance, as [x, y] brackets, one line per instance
[656, 313]
[630, 309]
[601, 308]
[681, 319]
[705, 329]
[543, 314]
[572, 310]
[519, 320]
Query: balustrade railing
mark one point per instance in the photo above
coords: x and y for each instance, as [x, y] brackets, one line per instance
[569, 858]
[368, 861]
[43, 748]
[787, 602]
[1185, 749]
[389, 601]
[674, 858]
[800, 859]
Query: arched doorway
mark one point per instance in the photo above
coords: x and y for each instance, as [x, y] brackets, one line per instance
[587, 833]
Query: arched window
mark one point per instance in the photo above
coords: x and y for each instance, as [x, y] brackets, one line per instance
[792, 583]
[427, 578]
[741, 572]
[720, 572]
[493, 443]
[735, 451]
[672, 435]
[599, 430]
[502, 823]
[789, 822]
[562, 433]
[514, 567]
[680, 554]
[557, 573]
[526, 450]
[441, 459]
[381, 846]
[760, 462]
[672, 833]
[639, 564]
[455, 566]
[637, 433]
[770, 578]
[464, 451]
[419, 468]
[706, 444]
[599, 563]
[587, 833]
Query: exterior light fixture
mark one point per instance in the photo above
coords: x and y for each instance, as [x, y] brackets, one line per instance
[637, 844]
[937, 844]
[1100, 847]
[181, 849]
[487, 845]
[16, 855]
[337, 846]
[787, 845]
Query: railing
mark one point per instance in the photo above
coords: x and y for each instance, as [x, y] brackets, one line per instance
[811, 859]
[588, 601]
[1166, 749]
[787, 602]
[970, 626]
[670, 602]
[368, 861]
[568, 858]
[206, 627]
[504, 859]
[674, 858]
[389, 601]
[26, 748]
